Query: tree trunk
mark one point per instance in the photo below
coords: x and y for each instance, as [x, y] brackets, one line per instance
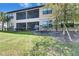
[2, 26]
[56, 26]
[63, 29]
[65, 6]
[7, 26]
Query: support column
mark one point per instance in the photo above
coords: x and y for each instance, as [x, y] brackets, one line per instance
[26, 25]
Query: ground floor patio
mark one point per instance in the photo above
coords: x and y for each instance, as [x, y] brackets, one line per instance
[43, 25]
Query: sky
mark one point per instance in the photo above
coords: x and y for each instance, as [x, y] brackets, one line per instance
[6, 7]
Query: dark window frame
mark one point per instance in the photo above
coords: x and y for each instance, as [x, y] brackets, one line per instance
[31, 14]
[20, 15]
[21, 26]
[47, 11]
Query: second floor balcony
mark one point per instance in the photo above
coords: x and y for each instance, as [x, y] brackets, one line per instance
[27, 14]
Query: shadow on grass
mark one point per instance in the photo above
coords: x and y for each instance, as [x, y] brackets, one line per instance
[36, 33]
[19, 32]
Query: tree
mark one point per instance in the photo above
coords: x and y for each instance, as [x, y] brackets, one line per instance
[56, 12]
[64, 13]
[4, 18]
[7, 19]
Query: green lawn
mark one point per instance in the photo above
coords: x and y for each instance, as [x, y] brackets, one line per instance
[16, 43]
[25, 43]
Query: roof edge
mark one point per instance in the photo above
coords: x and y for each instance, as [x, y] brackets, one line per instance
[25, 9]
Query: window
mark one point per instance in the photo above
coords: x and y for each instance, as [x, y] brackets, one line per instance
[44, 23]
[33, 14]
[21, 26]
[50, 24]
[47, 11]
[20, 15]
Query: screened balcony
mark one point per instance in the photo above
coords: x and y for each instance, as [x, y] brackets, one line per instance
[33, 14]
[20, 26]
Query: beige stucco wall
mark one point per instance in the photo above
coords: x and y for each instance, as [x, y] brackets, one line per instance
[40, 19]
[44, 15]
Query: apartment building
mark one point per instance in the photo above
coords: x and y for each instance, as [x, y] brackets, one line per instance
[33, 18]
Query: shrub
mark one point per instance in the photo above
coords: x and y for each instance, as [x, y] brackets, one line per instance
[47, 46]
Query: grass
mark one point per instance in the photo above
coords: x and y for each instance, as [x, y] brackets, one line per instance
[16, 43]
[20, 43]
